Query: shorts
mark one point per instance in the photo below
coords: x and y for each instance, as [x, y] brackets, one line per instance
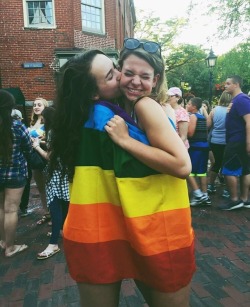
[236, 161]
[199, 160]
[13, 183]
[218, 152]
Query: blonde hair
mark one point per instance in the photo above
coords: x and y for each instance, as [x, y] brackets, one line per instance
[34, 116]
[225, 99]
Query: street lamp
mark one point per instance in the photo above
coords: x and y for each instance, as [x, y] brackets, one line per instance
[211, 62]
[182, 84]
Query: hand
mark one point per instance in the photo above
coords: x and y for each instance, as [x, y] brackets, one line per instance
[117, 129]
[36, 142]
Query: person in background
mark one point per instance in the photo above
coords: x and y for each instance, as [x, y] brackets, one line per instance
[169, 112]
[236, 162]
[205, 108]
[205, 111]
[37, 130]
[216, 122]
[17, 115]
[181, 114]
[15, 148]
[57, 190]
[108, 250]
[198, 151]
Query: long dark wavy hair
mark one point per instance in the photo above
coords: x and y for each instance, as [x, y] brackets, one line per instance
[48, 118]
[75, 90]
[7, 103]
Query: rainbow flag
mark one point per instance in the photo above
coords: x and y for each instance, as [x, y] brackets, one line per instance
[125, 219]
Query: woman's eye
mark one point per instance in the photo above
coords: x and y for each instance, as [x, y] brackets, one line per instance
[128, 74]
[110, 77]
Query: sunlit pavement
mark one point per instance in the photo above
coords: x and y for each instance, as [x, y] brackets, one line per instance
[222, 255]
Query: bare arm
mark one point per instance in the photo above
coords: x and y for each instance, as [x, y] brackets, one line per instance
[204, 112]
[210, 119]
[192, 125]
[247, 120]
[36, 146]
[167, 153]
[183, 130]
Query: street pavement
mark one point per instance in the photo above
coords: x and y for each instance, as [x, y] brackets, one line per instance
[222, 277]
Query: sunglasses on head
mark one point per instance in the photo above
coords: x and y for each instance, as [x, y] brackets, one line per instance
[133, 43]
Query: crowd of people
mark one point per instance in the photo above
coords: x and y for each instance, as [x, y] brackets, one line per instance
[126, 144]
[216, 136]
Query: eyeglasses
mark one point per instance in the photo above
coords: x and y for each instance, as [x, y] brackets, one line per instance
[133, 43]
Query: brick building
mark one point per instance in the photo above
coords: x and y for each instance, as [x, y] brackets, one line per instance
[37, 37]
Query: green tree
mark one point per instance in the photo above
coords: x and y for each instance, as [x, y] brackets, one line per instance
[153, 28]
[182, 61]
[236, 61]
[233, 16]
[187, 63]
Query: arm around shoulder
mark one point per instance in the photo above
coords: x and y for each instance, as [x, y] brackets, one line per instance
[167, 153]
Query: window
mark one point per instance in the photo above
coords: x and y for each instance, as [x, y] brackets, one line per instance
[93, 16]
[39, 14]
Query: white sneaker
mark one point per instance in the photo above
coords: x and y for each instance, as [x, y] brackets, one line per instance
[198, 200]
[247, 204]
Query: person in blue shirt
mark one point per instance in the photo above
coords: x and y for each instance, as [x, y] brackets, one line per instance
[198, 152]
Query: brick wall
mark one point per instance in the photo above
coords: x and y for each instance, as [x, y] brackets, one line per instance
[20, 45]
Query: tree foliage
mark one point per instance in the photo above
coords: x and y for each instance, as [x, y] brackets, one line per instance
[233, 15]
[191, 69]
[153, 28]
[187, 62]
[182, 61]
[235, 62]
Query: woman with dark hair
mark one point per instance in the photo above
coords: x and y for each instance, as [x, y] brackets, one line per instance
[15, 147]
[56, 188]
[110, 233]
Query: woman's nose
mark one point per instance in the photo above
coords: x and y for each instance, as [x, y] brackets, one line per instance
[136, 79]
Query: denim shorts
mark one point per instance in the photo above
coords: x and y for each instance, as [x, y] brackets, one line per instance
[13, 183]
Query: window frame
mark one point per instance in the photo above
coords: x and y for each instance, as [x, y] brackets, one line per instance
[102, 22]
[42, 25]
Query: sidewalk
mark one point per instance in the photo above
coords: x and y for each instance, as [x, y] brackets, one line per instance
[222, 255]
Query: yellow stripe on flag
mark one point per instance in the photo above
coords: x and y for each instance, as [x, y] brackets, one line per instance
[138, 196]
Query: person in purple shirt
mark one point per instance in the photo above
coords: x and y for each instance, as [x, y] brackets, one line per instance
[236, 162]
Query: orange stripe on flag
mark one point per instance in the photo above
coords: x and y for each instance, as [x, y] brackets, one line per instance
[105, 222]
[95, 223]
